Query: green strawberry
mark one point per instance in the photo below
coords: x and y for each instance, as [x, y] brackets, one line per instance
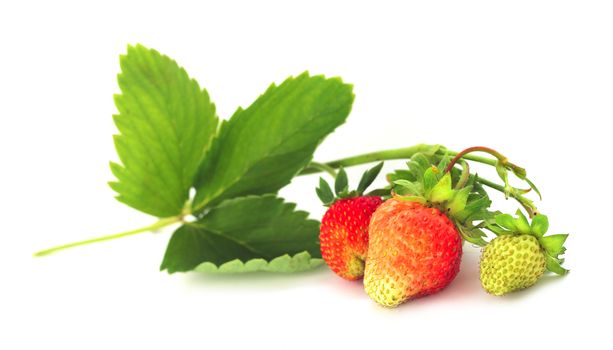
[520, 255]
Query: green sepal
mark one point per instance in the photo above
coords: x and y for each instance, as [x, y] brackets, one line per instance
[406, 187]
[554, 244]
[429, 180]
[540, 225]
[368, 177]
[324, 192]
[521, 223]
[498, 231]
[504, 175]
[442, 191]
[442, 165]
[417, 199]
[533, 187]
[471, 234]
[341, 183]
[459, 200]
[555, 265]
[506, 221]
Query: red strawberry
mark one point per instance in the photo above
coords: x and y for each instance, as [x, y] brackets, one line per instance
[414, 251]
[344, 228]
[344, 235]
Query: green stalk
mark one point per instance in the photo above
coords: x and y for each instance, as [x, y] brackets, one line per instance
[157, 225]
[399, 153]
[323, 167]
[408, 152]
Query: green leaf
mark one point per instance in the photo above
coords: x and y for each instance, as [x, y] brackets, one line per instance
[554, 244]
[285, 263]
[506, 221]
[341, 183]
[324, 192]
[166, 123]
[245, 228]
[368, 177]
[540, 225]
[264, 146]
[442, 191]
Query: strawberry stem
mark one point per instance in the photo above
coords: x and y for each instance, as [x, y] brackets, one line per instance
[155, 226]
[408, 152]
[399, 153]
[501, 159]
[324, 168]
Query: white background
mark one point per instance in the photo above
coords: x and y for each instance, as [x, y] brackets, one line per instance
[533, 79]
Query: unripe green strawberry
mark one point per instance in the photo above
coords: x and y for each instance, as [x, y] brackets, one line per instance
[511, 262]
[519, 256]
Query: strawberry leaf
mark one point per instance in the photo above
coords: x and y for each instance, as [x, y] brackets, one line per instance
[165, 122]
[285, 263]
[245, 228]
[261, 148]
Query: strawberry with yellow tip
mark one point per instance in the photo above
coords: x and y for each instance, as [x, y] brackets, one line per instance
[414, 250]
[416, 237]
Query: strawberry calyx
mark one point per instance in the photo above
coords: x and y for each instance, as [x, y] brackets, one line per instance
[341, 185]
[456, 193]
[552, 245]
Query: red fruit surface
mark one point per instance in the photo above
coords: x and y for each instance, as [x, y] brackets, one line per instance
[344, 235]
[414, 251]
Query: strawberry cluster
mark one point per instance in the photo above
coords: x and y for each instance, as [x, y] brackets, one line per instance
[406, 241]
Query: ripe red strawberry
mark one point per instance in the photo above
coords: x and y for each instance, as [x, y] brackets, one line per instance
[344, 235]
[414, 251]
[416, 236]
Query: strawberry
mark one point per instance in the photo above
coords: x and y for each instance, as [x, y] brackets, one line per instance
[344, 228]
[416, 236]
[520, 255]
[414, 251]
[344, 235]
